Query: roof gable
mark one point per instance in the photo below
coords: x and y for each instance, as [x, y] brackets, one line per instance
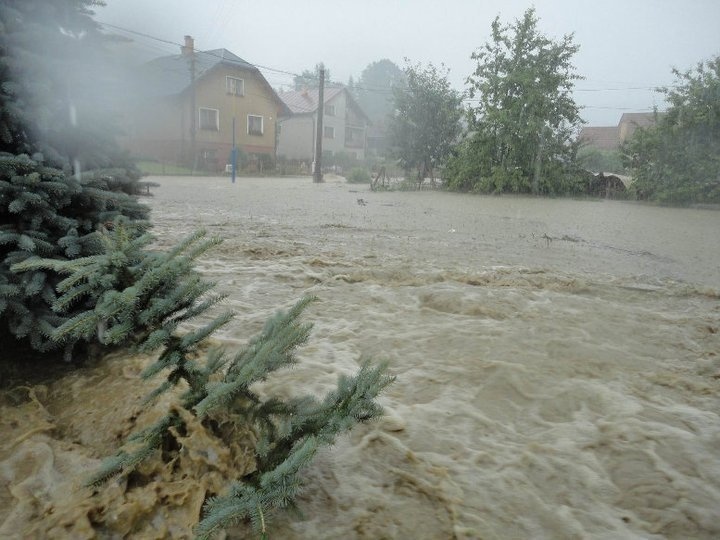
[306, 101]
[170, 75]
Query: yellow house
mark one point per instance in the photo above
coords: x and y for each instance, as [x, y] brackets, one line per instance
[187, 109]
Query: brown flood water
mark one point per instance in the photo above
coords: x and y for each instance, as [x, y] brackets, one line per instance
[557, 363]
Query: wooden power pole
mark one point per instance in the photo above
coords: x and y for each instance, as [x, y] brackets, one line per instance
[188, 51]
[317, 173]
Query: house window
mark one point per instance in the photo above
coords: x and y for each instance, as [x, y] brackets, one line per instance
[354, 137]
[234, 86]
[329, 132]
[330, 110]
[255, 124]
[209, 119]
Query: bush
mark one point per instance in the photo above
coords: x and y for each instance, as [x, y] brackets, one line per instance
[599, 160]
[359, 176]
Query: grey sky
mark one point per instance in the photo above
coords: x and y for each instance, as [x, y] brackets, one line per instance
[627, 47]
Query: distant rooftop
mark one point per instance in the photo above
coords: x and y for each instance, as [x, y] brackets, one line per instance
[640, 119]
[610, 137]
[306, 101]
[604, 137]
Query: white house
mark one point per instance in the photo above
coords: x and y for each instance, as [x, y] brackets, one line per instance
[344, 125]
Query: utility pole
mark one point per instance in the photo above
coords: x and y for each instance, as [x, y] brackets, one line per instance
[188, 50]
[317, 173]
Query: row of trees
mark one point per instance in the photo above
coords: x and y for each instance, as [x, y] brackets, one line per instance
[519, 132]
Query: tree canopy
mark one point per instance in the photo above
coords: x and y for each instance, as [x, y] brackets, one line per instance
[524, 118]
[310, 78]
[62, 177]
[426, 122]
[678, 159]
[374, 89]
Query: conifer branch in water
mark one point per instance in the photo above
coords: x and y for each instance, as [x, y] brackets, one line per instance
[138, 299]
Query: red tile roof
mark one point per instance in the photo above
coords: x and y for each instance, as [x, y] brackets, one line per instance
[306, 101]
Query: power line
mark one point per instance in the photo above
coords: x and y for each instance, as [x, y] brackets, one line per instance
[259, 66]
[208, 53]
[366, 88]
[637, 109]
[651, 88]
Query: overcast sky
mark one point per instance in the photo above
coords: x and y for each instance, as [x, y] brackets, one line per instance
[627, 47]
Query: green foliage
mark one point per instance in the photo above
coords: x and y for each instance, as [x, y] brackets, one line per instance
[678, 160]
[374, 90]
[599, 160]
[341, 159]
[310, 78]
[126, 295]
[426, 123]
[289, 432]
[525, 119]
[374, 94]
[46, 213]
[305, 425]
[61, 175]
[359, 176]
[74, 267]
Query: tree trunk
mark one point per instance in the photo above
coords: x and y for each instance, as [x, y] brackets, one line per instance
[538, 167]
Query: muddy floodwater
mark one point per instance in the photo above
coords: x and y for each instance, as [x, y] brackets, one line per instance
[557, 364]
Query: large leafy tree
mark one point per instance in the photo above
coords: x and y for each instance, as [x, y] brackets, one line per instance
[525, 117]
[426, 121]
[374, 89]
[374, 93]
[62, 178]
[678, 160]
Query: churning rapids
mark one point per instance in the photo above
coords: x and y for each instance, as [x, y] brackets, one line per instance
[557, 363]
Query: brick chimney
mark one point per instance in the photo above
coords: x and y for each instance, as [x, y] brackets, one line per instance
[187, 49]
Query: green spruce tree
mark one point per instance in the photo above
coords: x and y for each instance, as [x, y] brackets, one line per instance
[62, 178]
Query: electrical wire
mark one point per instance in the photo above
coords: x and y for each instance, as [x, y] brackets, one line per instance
[208, 53]
[368, 88]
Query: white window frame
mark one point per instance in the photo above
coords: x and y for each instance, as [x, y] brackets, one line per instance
[329, 110]
[262, 124]
[217, 119]
[325, 132]
[232, 89]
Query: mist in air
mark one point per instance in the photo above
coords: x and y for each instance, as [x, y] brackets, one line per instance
[537, 264]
